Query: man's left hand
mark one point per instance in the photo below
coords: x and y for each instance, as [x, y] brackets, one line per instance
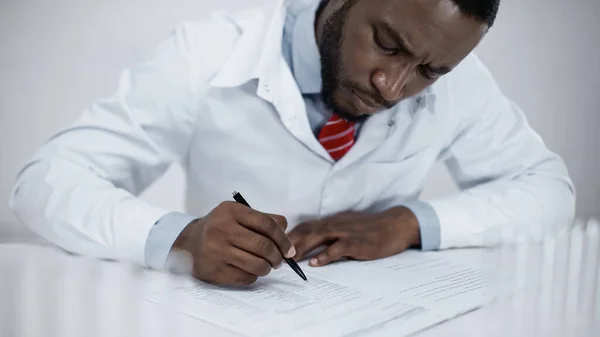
[359, 236]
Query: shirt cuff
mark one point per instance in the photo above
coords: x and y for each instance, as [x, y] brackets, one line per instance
[162, 237]
[429, 224]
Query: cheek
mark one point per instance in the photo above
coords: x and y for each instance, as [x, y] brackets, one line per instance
[416, 85]
[339, 98]
[359, 56]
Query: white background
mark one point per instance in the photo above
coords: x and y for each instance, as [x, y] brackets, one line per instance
[56, 57]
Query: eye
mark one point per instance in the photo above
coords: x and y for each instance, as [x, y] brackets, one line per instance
[382, 46]
[423, 72]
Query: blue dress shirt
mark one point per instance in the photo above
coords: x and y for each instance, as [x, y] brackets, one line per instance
[301, 52]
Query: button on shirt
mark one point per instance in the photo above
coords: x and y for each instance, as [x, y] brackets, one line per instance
[300, 50]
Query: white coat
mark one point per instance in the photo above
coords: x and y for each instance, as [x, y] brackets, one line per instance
[218, 96]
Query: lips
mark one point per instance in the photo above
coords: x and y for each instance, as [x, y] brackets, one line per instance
[364, 104]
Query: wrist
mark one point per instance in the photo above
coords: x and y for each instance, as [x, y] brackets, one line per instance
[181, 256]
[161, 237]
[406, 224]
[184, 238]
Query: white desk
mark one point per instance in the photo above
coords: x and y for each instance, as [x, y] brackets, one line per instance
[41, 287]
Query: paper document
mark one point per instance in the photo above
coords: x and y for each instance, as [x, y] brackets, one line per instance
[395, 296]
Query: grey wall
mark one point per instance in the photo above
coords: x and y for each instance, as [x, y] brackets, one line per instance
[58, 56]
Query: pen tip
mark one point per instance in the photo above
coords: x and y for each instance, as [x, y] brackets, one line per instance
[234, 193]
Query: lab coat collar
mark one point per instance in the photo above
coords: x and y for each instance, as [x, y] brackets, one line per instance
[257, 47]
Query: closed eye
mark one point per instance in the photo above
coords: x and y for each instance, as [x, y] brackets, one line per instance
[425, 73]
[382, 46]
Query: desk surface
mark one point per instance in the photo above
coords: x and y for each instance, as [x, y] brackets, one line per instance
[39, 297]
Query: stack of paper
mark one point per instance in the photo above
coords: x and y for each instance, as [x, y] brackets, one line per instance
[395, 296]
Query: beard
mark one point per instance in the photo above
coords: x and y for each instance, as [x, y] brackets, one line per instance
[332, 62]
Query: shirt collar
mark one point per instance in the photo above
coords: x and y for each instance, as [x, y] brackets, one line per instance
[306, 59]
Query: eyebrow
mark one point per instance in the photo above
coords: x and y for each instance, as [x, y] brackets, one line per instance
[398, 39]
[401, 42]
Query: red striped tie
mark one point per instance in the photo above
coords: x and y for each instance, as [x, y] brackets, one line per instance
[337, 136]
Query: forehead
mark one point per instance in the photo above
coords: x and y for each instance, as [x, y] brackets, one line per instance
[434, 29]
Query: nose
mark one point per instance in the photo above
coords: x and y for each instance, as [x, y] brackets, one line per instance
[391, 82]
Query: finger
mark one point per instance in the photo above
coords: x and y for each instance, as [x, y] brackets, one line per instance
[299, 232]
[333, 253]
[280, 220]
[232, 275]
[312, 240]
[248, 262]
[257, 245]
[265, 225]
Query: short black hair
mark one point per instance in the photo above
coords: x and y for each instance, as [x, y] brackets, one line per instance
[482, 10]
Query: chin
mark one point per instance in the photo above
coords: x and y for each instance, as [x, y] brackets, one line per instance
[347, 110]
[343, 106]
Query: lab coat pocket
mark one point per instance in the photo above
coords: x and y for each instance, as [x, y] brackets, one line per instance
[388, 184]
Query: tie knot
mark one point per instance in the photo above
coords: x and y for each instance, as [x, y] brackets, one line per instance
[337, 136]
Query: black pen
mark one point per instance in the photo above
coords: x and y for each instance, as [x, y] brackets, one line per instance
[238, 197]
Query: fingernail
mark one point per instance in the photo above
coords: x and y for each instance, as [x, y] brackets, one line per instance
[278, 266]
[291, 252]
[313, 262]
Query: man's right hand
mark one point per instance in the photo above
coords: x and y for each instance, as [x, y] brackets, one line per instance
[235, 244]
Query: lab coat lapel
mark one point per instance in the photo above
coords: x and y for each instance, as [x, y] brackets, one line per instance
[375, 130]
[257, 55]
[290, 105]
[379, 127]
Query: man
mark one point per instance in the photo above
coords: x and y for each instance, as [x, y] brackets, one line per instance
[326, 116]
